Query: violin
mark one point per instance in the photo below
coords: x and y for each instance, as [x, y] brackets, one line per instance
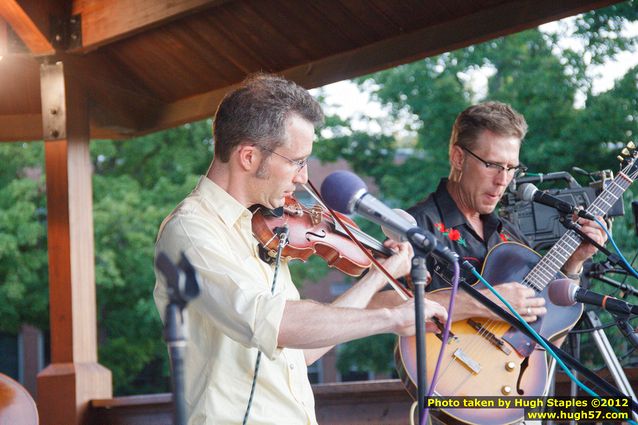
[314, 231]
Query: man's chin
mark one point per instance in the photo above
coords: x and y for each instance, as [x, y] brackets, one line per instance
[487, 209]
[277, 203]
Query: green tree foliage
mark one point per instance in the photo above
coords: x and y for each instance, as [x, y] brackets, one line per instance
[136, 184]
[23, 255]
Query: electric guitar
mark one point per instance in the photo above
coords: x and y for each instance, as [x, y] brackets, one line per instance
[490, 358]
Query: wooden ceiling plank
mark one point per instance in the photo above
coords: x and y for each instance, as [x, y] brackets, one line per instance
[281, 42]
[228, 48]
[486, 24]
[106, 21]
[117, 104]
[225, 71]
[16, 14]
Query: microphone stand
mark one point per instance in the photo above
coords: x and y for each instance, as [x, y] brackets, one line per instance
[419, 274]
[598, 271]
[595, 272]
[183, 285]
[612, 259]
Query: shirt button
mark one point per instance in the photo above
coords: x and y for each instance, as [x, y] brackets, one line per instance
[291, 366]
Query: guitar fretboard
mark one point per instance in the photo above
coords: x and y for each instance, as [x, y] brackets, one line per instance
[545, 270]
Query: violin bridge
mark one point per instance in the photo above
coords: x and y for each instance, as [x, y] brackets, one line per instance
[316, 213]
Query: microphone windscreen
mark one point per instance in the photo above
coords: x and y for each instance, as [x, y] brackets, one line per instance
[526, 192]
[560, 292]
[339, 189]
[391, 234]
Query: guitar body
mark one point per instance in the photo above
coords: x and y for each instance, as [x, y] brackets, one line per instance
[489, 357]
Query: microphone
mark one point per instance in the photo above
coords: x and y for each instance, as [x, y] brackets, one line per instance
[529, 192]
[396, 236]
[345, 192]
[564, 292]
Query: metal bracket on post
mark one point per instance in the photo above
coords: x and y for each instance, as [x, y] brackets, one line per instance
[52, 92]
[66, 32]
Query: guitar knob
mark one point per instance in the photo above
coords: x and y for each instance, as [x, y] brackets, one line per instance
[506, 390]
[631, 145]
[625, 152]
[510, 366]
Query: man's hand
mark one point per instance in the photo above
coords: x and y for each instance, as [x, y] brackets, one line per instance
[398, 265]
[523, 299]
[404, 315]
[586, 250]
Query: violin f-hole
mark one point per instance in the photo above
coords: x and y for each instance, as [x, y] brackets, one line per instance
[321, 235]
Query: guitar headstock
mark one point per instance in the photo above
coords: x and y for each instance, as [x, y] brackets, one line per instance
[627, 160]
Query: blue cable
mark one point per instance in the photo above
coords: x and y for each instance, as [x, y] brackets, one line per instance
[540, 340]
[613, 243]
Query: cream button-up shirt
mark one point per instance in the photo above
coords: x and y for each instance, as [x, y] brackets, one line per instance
[234, 317]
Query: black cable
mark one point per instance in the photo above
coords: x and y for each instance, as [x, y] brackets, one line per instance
[283, 239]
[589, 330]
[631, 263]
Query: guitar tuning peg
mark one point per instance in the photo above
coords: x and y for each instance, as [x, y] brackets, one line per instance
[620, 158]
[625, 152]
[631, 145]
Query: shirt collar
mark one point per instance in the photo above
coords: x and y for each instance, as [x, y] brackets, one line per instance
[228, 208]
[453, 216]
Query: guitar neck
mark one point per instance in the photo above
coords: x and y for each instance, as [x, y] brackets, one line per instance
[545, 270]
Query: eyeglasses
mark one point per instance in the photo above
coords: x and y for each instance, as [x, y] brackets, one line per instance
[299, 163]
[497, 168]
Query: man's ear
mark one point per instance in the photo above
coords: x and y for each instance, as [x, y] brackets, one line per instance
[248, 157]
[456, 158]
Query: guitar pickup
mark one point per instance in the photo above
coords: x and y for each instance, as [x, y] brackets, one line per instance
[466, 361]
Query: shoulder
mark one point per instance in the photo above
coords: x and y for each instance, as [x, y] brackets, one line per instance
[514, 231]
[424, 211]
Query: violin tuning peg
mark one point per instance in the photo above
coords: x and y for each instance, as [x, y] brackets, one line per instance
[625, 152]
[631, 145]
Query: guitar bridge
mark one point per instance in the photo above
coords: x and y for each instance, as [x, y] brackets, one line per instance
[451, 336]
[498, 342]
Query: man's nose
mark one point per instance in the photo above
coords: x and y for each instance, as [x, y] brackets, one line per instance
[302, 176]
[503, 178]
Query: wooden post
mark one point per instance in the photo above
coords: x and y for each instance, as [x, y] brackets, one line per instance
[74, 375]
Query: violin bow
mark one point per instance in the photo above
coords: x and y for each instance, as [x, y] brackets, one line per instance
[403, 293]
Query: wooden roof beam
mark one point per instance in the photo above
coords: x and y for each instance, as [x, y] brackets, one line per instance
[106, 21]
[30, 20]
[487, 24]
[503, 19]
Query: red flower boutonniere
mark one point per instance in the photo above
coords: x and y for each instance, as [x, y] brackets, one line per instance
[504, 237]
[453, 234]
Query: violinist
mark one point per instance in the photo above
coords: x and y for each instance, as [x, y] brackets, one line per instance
[264, 132]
